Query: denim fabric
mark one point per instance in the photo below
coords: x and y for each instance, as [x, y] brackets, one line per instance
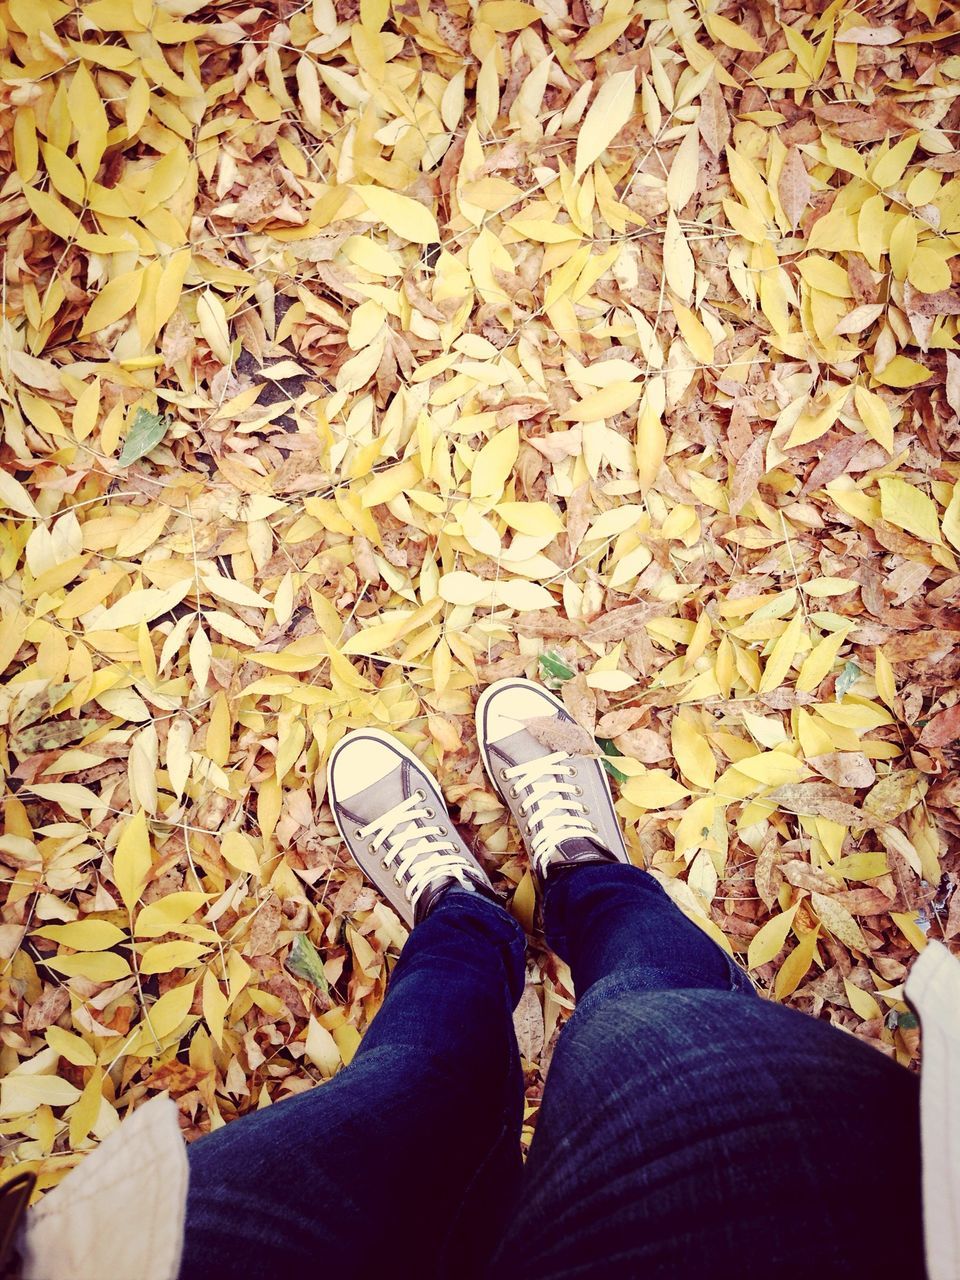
[617, 929]
[687, 1127]
[408, 1157]
[691, 1129]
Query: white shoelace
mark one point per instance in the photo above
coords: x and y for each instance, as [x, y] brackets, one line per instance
[551, 803]
[420, 850]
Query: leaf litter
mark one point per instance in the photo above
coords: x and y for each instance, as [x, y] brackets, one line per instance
[354, 356]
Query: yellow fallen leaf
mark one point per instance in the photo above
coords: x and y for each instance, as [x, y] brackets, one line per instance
[142, 605]
[161, 957]
[907, 507]
[861, 1002]
[168, 913]
[769, 940]
[655, 789]
[410, 219]
[214, 1004]
[69, 1046]
[604, 403]
[96, 966]
[902, 372]
[794, 969]
[493, 463]
[818, 663]
[322, 1049]
[906, 922]
[460, 587]
[538, 519]
[811, 425]
[692, 752]
[507, 15]
[213, 325]
[820, 588]
[951, 518]
[165, 1016]
[522, 596]
[53, 215]
[678, 264]
[15, 496]
[730, 33]
[113, 301]
[782, 655]
[238, 850]
[132, 859]
[83, 935]
[20, 1094]
[609, 112]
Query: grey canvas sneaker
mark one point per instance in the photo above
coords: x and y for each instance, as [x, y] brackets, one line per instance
[389, 810]
[561, 802]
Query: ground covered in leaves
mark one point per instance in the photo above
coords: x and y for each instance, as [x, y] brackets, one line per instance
[356, 355]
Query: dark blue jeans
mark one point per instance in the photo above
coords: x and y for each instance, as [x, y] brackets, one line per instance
[688, 1128]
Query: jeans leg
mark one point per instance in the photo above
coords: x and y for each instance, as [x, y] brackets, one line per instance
[615, 926]
[688, 1131]
[405, 1162]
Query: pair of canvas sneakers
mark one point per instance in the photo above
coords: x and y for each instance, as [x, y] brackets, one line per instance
[392, 816]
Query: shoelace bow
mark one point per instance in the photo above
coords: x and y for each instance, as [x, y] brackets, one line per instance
[550, 803]
[420, 851]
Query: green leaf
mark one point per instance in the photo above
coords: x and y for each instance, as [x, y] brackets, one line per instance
[304, 961]
[146, 432]
[553, 669]
[847, 678]
[609, 748]
[52, 734]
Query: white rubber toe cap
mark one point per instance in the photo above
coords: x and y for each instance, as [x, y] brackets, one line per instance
[509, 709]
[360, 763]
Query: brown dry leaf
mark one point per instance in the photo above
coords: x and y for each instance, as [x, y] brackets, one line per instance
[714, 119]
[561, 735]
[644, 745]
[953, 381]
[746, 476]
[819, 800]
[794, 186]
[845, 768]
[528, 1024]
[838, 921]
[943, 729]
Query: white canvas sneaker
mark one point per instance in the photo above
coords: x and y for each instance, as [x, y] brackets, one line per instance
[392, 816]
[562, 803]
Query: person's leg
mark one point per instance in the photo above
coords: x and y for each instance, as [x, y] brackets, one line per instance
[614, 925]
[402, 1165]
[688, 1128]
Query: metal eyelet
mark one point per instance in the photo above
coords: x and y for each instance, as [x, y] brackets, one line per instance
[359, 834]
[594, 828]
[578, 791]
[420, 794]
[514, 792]
[571, 772]
[503, 775]
[431, 813]
[370, 849]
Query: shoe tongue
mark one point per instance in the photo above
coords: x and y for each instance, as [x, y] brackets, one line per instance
[578, 847]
